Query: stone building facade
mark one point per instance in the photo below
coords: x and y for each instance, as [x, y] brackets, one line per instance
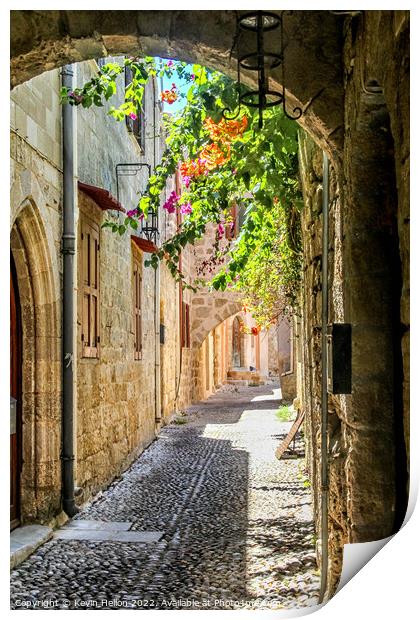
[129, 320]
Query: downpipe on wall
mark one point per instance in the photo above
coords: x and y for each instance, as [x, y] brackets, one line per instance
[68, 251]
[158, 414]
[324, 392]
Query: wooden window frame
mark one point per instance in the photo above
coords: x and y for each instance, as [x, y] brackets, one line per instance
[185, 326]
[90, 321]
[137, 127]
[137, 308]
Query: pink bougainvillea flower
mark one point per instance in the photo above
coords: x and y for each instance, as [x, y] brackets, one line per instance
[170, 203]
[192, 77]
[186, 208]
[133, 116]
[170, 63]
[186, 180]
[134, 212]
[220, 230]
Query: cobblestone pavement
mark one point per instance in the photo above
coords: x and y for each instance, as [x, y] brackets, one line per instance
[236, 522]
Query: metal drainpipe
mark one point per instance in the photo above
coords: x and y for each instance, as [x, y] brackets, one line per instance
[158, 416]
[324, 392]
[68, 250]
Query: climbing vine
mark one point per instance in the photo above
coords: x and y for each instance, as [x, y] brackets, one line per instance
[226, 166]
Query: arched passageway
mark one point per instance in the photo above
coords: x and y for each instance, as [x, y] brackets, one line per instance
[342, 79]
[43, 40]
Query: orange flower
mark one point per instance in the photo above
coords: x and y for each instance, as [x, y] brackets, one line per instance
[226, 130]
[169, 95]
[256, 330]
[193, 167]
[215, 156]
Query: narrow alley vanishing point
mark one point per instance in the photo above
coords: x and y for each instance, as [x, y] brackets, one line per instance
[229, 525]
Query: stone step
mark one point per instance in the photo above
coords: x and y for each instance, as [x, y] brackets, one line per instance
[245, 382]
[248, 375]
[25, 540]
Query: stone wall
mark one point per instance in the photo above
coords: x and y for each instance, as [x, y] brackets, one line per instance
[368, 288]
[210, 308]
[309, 339]
[286, 357]
[273, 352]
[35, 210]
[377, 118]
[118, 413]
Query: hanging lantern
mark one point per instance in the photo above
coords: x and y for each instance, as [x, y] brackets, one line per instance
[262, 62]
[149, 226]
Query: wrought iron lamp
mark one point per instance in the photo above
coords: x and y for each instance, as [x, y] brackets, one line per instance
[261, 61]
[150, 226]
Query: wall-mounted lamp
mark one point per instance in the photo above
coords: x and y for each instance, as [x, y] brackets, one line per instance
[150, 226]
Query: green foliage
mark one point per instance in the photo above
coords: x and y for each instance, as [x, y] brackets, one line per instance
[284, 414]
[258, 172]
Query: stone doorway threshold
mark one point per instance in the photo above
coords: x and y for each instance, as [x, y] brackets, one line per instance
[105, 531]
[25, 540]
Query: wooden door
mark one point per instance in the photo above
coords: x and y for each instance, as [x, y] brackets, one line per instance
[15, 399]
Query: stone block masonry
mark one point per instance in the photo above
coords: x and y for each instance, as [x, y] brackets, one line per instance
[116, 416]
[368, 287]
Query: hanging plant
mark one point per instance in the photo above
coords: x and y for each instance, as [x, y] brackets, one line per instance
[221, 162]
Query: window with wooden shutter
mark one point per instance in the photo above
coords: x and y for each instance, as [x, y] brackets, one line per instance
[137, 285]
[90, 288]
[136, 126]
[185, 331]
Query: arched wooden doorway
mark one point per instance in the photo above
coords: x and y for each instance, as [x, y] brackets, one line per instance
[15, 398]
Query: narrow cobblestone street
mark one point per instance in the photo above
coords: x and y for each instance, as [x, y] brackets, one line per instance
[235, 523]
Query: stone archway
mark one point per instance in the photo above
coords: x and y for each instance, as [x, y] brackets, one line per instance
[39, 292]
[209, 310]
[44, 40]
